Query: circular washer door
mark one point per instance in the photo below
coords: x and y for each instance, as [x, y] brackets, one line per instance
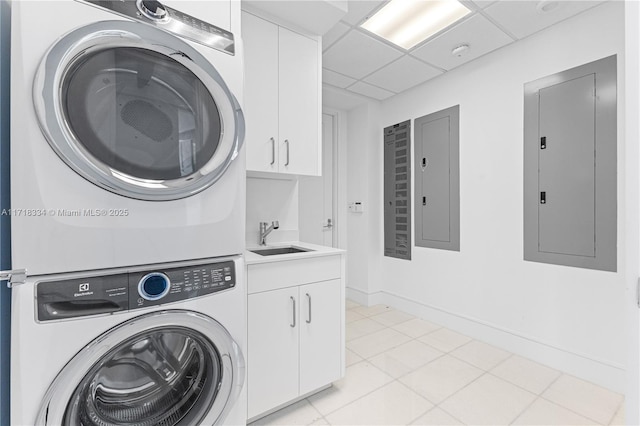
[137, 111]
[164, 368]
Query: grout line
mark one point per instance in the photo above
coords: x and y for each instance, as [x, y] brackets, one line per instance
[448, 413]
[617, 410]
[525, 408]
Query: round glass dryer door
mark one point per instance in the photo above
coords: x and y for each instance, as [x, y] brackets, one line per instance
[137, 111]
[149, 371]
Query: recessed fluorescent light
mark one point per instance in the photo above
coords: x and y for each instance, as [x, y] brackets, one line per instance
[408, 22]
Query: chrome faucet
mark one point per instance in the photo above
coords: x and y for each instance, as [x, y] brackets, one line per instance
[265, 230]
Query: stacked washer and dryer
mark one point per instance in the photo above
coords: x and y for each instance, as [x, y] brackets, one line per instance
[128, 215]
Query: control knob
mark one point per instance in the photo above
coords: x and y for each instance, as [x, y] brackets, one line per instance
[152, 9]
[154, 286]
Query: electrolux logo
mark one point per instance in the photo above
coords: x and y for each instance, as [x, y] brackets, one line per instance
[83, 290]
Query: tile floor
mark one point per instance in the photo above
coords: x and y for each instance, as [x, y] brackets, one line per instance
[402, 370]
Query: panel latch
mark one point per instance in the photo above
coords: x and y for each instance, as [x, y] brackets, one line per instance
[14, 277]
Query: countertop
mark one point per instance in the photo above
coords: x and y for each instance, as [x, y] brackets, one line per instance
[314, 251]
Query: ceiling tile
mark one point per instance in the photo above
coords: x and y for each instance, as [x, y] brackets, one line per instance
[482, 3]
[522, 18]
[370, 91]
[359, 9]
[402, 74]
[336, 79]
[334, 34]
[333, 97]
[478, 32]
[358, 55]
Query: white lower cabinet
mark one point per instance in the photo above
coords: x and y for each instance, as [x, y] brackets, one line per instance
[295, 342]
[320, 336]
[273, 345]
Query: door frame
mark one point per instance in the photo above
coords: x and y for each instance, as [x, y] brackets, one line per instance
[339, 181]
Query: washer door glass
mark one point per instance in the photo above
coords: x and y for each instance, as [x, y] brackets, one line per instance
[137, 111]
[141, 113]
[167, 376]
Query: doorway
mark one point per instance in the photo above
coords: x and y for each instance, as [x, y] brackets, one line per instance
[317, 194]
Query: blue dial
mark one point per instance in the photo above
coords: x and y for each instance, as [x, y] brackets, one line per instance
[154, 286]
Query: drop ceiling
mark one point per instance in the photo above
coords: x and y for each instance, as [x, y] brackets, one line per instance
[358, 62]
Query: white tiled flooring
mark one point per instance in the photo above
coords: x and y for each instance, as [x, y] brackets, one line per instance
[402, 370]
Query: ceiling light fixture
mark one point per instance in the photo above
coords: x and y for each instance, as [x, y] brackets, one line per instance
[406, 23]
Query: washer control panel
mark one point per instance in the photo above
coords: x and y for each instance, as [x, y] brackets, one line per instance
[74, 297]
[156, 14]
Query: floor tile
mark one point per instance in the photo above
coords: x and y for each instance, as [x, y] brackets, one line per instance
[525, 373]
[584, 398]
[320, 421]
[362, 327]
[405, 358]
[416, 327]
[393, 317]
[543, 412]
[481, 354]
[488, 401]
[367, 311]
[351, 316]
[300, 413]
[392, 404]
[351, 358]
[619, 417]
[441, 378]
[378, 342]
[350, 304]
[445, 340]
[361, 378]
[437, 417]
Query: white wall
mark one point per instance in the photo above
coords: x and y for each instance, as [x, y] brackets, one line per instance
[566, 317]
[269, 200]
[632, 60]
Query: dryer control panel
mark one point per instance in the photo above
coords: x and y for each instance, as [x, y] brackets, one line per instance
[80, 296]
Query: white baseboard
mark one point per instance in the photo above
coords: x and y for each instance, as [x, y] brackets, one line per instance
[601, 372]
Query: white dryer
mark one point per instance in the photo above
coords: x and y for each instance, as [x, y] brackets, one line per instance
[126, 134]
[156, 345]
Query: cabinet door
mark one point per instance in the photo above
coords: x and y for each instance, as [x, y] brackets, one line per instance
[299, 104]
[320, 335]
[273, 349]
[261, 92]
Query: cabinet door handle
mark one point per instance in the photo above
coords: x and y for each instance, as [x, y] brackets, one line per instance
[293, 310]
[273, 151]
[286, 141]
[309, 319]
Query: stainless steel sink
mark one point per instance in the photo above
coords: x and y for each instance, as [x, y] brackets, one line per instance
[279, 250]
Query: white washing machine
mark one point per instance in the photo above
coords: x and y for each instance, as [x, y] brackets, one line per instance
[156, 345]
[126, 134]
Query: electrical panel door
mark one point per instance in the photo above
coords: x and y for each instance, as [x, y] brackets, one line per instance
[570, 167]
[437, 201]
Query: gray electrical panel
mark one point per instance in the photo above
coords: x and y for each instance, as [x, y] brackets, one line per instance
[437, 182]
[570, 191]
[397, 190]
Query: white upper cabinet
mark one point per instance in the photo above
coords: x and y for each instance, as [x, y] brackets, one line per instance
[282, 99]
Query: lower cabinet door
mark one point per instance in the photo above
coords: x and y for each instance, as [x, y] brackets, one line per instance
[273, 345]
[320, 334]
